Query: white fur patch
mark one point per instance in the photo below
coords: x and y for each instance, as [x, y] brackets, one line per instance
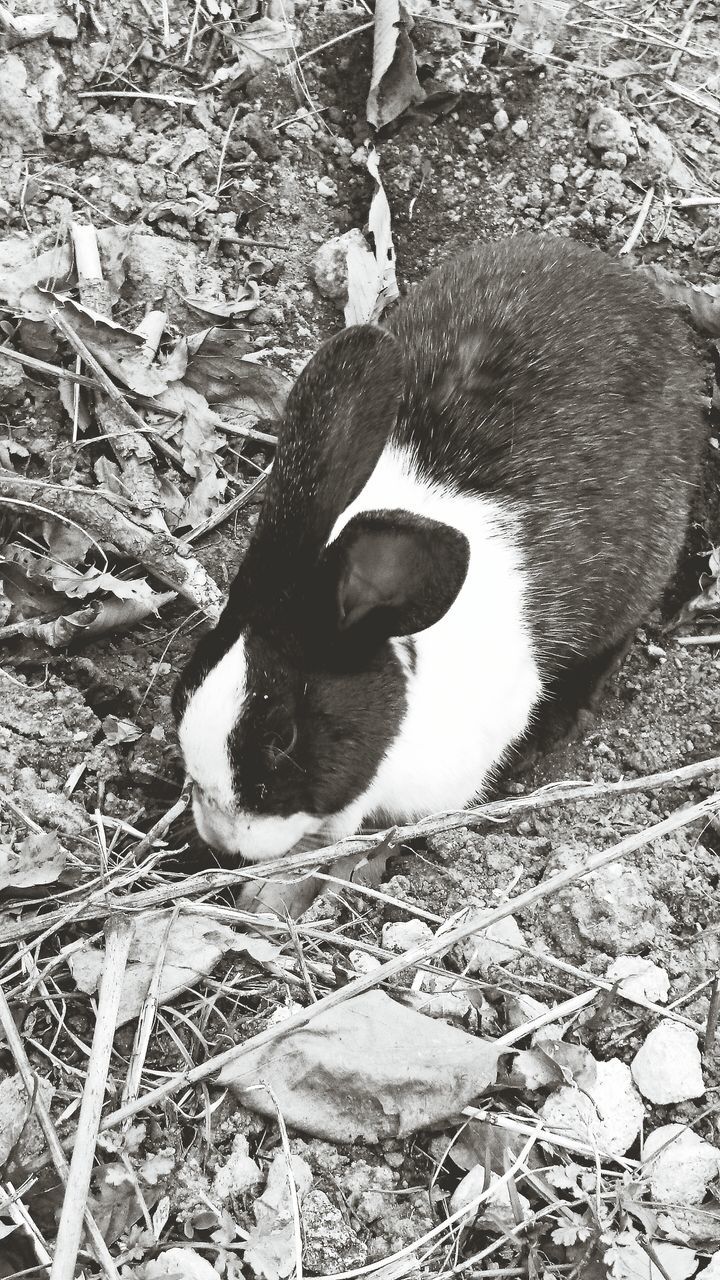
[476, 680]
[255, 837]
[210, 716]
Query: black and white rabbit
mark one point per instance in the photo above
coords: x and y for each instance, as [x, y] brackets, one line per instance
[489, 491]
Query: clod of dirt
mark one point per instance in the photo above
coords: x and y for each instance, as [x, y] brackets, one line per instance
[680, 1164]
[640, 979]
[667, 1067]
[607, 1114]
[609, 130]
[611, 910]
[329, 1243]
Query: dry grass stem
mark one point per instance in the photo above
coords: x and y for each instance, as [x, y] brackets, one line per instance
[39, 1107]
[118, 934]
[640, 221]
[434, 947]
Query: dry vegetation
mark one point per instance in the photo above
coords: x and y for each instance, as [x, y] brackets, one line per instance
[485, 1045]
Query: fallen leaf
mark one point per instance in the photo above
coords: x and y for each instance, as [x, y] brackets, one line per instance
[537, 27]
[101, 617]
[20, 1134]
[266, 41]
[217, 369]
[220, 310]
[371, 280]
[195, 943]
[368, 1068]
[205, 497]
[702, 301]
[38, 860]
[178, 1264]
[117, 731]
[627, 1260]
[79, 585]
[394, 85]
[270, 1245]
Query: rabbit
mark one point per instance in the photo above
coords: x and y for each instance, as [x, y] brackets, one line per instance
[490, 490]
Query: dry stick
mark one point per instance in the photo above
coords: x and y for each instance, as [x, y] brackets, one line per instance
[146, 1021]
[211, 882]
[634, 236]
[101, 518]
[546, 1136]
[118, 934]
[713, 1014]
[713, 638]
[699, 100]
[108, 386]
[172, 99]
[40, 1109]
[683, 39]
[564, 1010]
[436, 946]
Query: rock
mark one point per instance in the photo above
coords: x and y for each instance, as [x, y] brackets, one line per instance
[609, 130]
[239, 1173]
[489, 946]
[640, 979]
[680, 1164]
[501, 120]
[558, 173]
[326, 187]
[329, 266]
[667, 1068]
[607, 1114]
[254, 130]
[405, 935]
[329, 1243]
[520, 128]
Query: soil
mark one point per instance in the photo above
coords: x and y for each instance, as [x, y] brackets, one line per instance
[275, 163]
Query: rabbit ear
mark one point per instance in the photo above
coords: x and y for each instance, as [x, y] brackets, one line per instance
[396, 573]
[338, 418]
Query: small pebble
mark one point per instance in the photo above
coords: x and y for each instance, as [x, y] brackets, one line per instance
[501, 120]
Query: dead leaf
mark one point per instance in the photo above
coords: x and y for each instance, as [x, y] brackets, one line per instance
[537, 27]
[178, 1264]
[79, 585]
[264, 42]
[371, 280]
[216, 368]
[368, 1068]
[38, 860]
[200, 441]
[20, 1134]
[99, 618]
[206, 495]
[394, 85]
[194, 946]
[117, 731]
[702, 301]
[220, 310]
[270, 1245]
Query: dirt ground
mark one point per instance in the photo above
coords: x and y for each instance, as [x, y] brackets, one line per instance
[244, 180]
